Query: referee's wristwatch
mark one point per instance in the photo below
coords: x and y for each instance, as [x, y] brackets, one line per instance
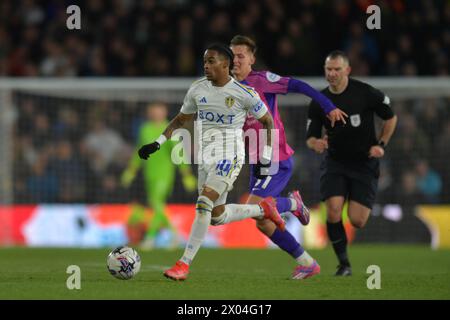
[382, 144]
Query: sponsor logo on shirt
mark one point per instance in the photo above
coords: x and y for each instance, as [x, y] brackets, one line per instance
[216, 117]
[258, 106]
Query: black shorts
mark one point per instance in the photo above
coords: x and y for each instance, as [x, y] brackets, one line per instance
[353, 181]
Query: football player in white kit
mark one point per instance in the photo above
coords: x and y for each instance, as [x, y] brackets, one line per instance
[221, 104]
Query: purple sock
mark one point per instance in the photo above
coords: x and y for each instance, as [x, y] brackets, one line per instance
[287, 242]
[283, 204]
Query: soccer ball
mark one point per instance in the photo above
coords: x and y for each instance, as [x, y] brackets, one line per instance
[124, 263]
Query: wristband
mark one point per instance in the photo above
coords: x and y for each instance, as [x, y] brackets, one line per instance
[162, 138]
[266, 154]
[382, 144]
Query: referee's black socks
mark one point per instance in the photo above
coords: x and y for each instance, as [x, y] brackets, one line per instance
[337, 236]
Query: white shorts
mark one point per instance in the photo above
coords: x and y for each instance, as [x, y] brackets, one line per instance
[220, 177]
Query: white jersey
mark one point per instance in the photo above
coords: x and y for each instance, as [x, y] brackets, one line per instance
[221, 113]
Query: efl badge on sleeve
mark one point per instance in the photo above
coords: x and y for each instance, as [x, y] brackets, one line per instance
[272, 77]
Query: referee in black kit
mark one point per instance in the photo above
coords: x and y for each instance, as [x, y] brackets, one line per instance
[350, 169]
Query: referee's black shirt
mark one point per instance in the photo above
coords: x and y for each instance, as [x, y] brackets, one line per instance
[350, 142]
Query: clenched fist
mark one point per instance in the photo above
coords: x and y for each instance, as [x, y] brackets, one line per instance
[376, 152]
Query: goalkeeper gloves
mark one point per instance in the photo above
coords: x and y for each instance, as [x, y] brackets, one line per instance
[146, 150]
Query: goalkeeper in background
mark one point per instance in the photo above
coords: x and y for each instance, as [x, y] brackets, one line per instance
[158, 183]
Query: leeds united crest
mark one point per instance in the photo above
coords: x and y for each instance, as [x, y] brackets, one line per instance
[229, 101]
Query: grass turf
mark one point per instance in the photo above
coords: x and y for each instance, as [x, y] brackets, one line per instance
[407, 272]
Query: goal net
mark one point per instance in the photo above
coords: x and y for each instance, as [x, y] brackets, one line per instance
[70, 141]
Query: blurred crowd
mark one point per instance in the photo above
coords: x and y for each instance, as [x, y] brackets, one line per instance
[69, 150]
[415, 167]
[66, 154]
[75, 151]
[167, 37]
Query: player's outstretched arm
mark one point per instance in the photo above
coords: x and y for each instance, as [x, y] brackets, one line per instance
[179, 121]
[333, 113]
[146, 150]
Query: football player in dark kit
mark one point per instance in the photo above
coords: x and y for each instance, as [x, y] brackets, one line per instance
[350, 168]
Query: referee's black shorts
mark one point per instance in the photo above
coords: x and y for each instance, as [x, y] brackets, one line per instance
[356, 181]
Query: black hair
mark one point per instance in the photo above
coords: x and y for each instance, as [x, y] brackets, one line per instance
[224, 51]
[338, 53]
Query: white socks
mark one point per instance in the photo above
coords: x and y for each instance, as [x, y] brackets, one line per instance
[237, 212]
[199, 228]
[204, 206]
[305, 259]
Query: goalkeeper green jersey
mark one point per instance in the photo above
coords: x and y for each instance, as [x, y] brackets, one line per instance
[159, 165]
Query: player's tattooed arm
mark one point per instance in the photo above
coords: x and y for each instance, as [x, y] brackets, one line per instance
[179, 121]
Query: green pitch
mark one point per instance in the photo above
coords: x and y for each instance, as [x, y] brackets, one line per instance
[407, 272]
